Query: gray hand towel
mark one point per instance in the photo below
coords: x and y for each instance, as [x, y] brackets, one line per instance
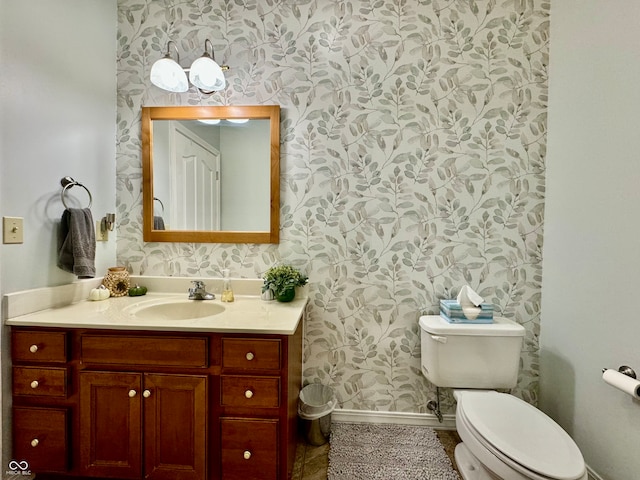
[77, 243]
[158, 223]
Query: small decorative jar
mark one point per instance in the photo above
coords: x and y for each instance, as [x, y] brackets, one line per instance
[267, 295]
[117, 281]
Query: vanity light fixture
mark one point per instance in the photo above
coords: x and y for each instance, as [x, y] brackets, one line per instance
[205, 74]
[167, 74]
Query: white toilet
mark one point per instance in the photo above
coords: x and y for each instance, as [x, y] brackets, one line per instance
[503, 437]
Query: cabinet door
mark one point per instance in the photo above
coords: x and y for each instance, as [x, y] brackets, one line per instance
[175, 426]
[110, 424]
[249, 449]
[40, 437]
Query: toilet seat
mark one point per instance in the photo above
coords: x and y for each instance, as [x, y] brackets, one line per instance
[511, 430]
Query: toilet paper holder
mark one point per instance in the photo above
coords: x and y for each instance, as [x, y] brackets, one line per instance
[628, 371]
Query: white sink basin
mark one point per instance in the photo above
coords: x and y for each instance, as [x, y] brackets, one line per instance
[174, 309]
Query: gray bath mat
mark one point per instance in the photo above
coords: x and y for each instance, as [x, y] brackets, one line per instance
[363, 451]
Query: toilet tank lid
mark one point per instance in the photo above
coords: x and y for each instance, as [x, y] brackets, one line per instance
[501, 327]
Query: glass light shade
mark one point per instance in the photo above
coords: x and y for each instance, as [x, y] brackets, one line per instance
[237, 120]
[209, 121]
[206, 74]
[168, 75]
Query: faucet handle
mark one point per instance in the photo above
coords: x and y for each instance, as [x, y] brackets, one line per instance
[198, 284]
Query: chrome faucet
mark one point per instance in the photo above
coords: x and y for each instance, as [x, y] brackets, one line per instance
[198, 291]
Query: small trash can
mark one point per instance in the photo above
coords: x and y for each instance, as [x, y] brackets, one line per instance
[315, 405]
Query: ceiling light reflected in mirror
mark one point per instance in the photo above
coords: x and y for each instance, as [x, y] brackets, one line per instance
[216, 121]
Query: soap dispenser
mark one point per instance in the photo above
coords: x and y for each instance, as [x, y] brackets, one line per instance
[227, 292]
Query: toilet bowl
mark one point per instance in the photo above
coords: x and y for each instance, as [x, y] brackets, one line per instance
[507, 438]
[503, 437]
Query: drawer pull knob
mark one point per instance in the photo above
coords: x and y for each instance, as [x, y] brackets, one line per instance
[35, 442]
[33, 348]
[146, 393]
[246, 454]
[34, 384]
[250, 356]
[132, 393]
[248, 394]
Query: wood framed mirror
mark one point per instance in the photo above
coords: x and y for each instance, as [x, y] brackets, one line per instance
[211, 174]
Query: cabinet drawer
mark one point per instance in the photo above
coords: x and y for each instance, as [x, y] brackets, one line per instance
[258, 392]
[145, 350]
[251, 353]
[40, 381]
[39, 346]
[40, 437]
[249, 449]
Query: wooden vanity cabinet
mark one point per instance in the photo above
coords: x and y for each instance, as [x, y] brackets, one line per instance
[41, 401]
[157, 405]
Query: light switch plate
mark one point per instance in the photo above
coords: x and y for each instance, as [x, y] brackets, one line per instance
[101, 235]
[12, 230]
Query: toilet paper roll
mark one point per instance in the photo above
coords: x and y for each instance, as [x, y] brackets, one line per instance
[622, 382]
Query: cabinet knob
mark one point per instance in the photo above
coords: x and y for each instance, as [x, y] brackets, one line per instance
[248, 394]
[33, 348]
[132, 393]
[249, 356]
[34, 384]
[146, 393]
[35, 442]
[246, 454]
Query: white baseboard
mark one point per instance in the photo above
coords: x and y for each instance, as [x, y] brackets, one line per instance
[398, 418]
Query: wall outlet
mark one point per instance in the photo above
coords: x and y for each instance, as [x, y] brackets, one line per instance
[101, 235]
[12, 230]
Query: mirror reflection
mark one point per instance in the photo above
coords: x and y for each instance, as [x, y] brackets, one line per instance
[201, 179]
[211, 174]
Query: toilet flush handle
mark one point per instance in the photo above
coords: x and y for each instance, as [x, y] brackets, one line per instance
[438, 338]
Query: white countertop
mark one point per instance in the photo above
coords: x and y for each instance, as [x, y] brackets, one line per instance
[247, 314]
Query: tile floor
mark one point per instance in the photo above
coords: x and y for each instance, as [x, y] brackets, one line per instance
[312, 462]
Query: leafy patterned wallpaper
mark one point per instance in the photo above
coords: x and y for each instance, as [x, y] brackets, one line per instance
[413, 162]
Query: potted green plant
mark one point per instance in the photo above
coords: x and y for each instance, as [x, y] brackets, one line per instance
[282, 281]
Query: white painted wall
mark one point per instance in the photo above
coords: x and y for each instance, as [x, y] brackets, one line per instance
[57, 118]
[592, 230]
[246, 198]
[58, 109]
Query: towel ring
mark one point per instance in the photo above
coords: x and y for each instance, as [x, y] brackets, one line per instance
[161, 204]
[67, 183]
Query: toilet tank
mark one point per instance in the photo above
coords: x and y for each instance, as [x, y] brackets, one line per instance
[471, 355]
